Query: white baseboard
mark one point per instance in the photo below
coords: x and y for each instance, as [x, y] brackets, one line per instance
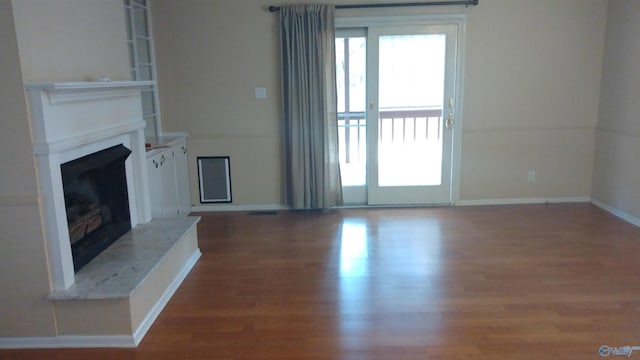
[482, 202]
[229, 207]
[610, 209]
[106, 341]
[522, 201]
[58, 342]
[616, 212]
[511, 201]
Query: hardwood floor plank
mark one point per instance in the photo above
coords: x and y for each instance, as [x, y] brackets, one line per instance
[495, 282]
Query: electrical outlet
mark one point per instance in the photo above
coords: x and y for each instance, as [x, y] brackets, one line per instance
[531, 177]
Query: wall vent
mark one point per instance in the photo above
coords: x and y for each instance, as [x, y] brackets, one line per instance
[214, 179]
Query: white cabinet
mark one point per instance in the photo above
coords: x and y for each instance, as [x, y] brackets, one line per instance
[169, 179]
[182, 177]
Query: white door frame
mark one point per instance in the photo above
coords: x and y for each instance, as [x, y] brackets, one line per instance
[411, 20]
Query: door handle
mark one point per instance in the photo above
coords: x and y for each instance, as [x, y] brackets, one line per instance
[449, 122]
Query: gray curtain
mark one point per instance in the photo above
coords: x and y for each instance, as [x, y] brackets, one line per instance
[312, 169]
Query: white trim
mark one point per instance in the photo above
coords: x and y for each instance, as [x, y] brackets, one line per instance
[408, 20]
[456, 161]
[222, 208]
[351, 32]
[519, 201]
[69, 96]
[356, 23]
[111, 341]
[80, 139]
[107, 341]
[145, 325]
[393, 206]
[617, 212]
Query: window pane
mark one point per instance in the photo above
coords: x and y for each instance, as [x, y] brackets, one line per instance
[411, 90]
[357, 74]
[144, 73]
[415, 75]
[141, 21]
[128, 22]
[143, 51]
[340, 72]
[147, 103]
[151, 129]
[350, 73]
[132, 61]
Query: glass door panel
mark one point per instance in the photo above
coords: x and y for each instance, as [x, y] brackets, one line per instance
[410, 92]
[411, 84]
[395, 88]
[352, 123]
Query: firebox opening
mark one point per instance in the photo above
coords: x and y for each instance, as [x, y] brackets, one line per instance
[96, 201]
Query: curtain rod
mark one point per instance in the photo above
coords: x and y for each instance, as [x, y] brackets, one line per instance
[388, 5]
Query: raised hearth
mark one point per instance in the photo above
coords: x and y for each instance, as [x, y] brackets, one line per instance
[115, 298]
[125, 287]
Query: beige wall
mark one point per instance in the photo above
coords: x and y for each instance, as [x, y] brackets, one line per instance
[531, 98]
[71, 40]
[532, 84]
[24, 277]
[211, 55]
[61, 40]
[617, 171]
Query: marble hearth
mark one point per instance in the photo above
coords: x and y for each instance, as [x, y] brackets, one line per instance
[119, 294]
[115, 298]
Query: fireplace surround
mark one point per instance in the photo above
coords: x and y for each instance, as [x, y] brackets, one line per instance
[72, 120]
[115, 298]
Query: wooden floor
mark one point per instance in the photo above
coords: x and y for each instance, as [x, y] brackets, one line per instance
[509, 282]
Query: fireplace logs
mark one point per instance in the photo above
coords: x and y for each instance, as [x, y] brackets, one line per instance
[84, 215]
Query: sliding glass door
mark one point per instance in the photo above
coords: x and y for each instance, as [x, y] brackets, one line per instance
[397, 101]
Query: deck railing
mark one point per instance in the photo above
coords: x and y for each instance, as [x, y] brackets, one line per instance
[395, 125]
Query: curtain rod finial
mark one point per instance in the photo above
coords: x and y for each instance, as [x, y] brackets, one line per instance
[273, 8]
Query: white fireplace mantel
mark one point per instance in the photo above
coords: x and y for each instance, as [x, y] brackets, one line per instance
[73, 119]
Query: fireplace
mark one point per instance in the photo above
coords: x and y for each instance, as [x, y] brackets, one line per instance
[77, 128]
[89, 144]
[96, 202]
